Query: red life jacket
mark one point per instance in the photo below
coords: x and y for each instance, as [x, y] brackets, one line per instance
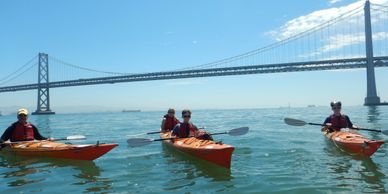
[169, 123]
[186, 130]
[22, 132]
[338, 122]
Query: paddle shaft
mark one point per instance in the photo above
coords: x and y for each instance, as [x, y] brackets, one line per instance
[58, 139]
[156, 132]
[364, 129]
[171, 138]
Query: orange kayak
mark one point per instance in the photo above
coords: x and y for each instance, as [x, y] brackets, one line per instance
[58, 150]
[354, 143]
[210, 151]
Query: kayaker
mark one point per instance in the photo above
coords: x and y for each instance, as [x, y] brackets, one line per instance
[337, 121]
[169, 121]
[22, 130]
[187, 129]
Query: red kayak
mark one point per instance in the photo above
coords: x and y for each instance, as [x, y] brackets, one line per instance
[210, 151]
[353, 142]
[57, 150]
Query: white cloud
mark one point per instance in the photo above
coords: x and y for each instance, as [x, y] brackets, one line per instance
[309, 21]
[340, 36]
[314, 19]
[339, 41]
[334, 1]
[342, 40]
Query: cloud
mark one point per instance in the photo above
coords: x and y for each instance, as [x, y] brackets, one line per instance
[334, 1]
[310, 21]
[314, 19]
[342, 40]
[337, 35]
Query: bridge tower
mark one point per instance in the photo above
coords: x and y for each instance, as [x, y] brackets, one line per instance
[43, 106]
[371, 95]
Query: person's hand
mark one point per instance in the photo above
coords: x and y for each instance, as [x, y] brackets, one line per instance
[328, 124]
[50, 139]
[200, 133]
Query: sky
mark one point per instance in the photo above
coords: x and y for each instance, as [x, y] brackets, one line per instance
[147, 36]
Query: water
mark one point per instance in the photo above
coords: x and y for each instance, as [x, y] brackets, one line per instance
[273, 157]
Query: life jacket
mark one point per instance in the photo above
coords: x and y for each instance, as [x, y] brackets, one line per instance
[186, 130]
[169, 123]
[22, 132]
[338, 122]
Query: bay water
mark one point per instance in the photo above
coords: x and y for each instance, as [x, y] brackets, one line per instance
[272, 158]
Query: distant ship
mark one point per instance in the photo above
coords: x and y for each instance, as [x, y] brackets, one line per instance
[130, 110]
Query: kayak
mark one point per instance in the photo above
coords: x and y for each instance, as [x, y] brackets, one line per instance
[353, 142]
[210, 151]
[57, 150]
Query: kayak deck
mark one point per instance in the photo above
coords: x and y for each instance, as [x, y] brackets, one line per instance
[210, 151]
[58, 150]
[353, 142]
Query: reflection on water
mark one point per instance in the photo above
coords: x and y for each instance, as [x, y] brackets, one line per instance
[195, 167]
[20, 171]
[371, 173]
[350, 170]
[43, 122]
[374, 118]
[373, 114]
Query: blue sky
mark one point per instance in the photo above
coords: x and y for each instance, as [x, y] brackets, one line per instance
[146, 36]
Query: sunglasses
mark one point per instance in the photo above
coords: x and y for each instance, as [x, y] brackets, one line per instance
[171, 112]
[336, 108]
[186, 116]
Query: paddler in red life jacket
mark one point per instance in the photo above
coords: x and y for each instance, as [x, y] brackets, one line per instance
[187, 129]
[169, 121]
[337, 121]
[21, 130]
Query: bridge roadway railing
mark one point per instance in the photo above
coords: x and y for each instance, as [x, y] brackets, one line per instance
[211, 72]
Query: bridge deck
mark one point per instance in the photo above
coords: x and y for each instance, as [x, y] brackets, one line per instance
[211, 72]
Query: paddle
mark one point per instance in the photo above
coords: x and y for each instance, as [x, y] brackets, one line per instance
[296, 122]
[72, 137]
[138, 142]
[155, 132]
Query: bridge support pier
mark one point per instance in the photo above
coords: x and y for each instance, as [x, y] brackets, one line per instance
[43, 107]
[371, 98]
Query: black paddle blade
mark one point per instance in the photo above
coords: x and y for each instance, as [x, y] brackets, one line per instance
[138, 142]
[385, 132]
[238, 131]
[294, 122]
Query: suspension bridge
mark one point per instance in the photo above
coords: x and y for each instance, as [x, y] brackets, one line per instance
[344, 42]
